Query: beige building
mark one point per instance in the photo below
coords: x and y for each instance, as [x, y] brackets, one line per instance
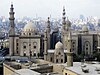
[27, 43]
[83, 41]
[78, 68]
[40, 67]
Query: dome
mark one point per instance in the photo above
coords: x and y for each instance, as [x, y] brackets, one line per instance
[68, 23]
[58, 45]
[30, 27]
[85, 29]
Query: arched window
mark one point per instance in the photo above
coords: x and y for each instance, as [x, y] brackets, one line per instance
[51, 59]
[34, 54]
[56, 60]
[34, 47]
[87, 48]
[24, 47]
[17, 51]
[23, 33]
[24, 54]
[61, 60]
[29, 33]
[59, 53]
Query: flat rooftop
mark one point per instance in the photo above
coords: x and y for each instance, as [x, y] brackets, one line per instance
[93, 68]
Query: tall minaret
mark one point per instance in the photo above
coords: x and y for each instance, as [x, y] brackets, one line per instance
[64, 19]
[63, 30]
[69, 51]
[48, 32]
[45, 45]
[11, 31]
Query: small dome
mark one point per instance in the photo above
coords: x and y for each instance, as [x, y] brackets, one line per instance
[58, 45]
[68, 23]
[30, 27]
[85, 29]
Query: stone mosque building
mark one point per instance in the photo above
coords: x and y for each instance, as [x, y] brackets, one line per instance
[25, 44]
[29, 43]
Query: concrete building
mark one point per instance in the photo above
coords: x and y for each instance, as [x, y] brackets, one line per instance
[35, 67]
[79, 68]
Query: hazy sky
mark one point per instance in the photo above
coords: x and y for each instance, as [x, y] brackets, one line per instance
[45, 8]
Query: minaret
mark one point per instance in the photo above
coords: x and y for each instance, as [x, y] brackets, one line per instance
[63, 19]
[48, 32]
[69, 51]
[63, 30]
[12, 30]
[45, 45]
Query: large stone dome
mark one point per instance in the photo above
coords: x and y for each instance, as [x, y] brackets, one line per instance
[30, 27]
[85, 28]
[59, 45]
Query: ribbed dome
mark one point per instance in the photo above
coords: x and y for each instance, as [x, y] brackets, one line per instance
[85, 29]
[30, 27]
[58, 45]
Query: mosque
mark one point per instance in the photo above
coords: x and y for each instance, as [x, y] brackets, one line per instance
[30, 42]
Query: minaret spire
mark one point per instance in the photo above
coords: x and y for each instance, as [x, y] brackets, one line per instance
[11, 18]
[48, 23]
[12, 30]
[45, 45]
[64, 16]
[69, 51]
[48, 29]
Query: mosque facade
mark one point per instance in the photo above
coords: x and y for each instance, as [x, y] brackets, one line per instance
[28, 42]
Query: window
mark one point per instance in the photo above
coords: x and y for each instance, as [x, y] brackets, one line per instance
[86, 44]
[73, 46]
[23, 33]
[34, 54]
[35, 33]
[51, 59]
[59, 53]
[56, 60]
[30, 53]
[17, 51]
[61, 60]
[34, 47]
[24, 54]
[16, 40]
[73, 42]
[86, 48]
[29, 44]
[70, 50]
[17, 48]
[29, 33]
[17, 44]
[24, 47]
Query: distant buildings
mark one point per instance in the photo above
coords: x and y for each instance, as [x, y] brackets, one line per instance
[57, 46]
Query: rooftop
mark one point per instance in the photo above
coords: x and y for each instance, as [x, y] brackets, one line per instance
[79, 68]
[27, 72]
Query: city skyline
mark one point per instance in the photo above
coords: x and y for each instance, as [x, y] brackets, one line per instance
[53, 8]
